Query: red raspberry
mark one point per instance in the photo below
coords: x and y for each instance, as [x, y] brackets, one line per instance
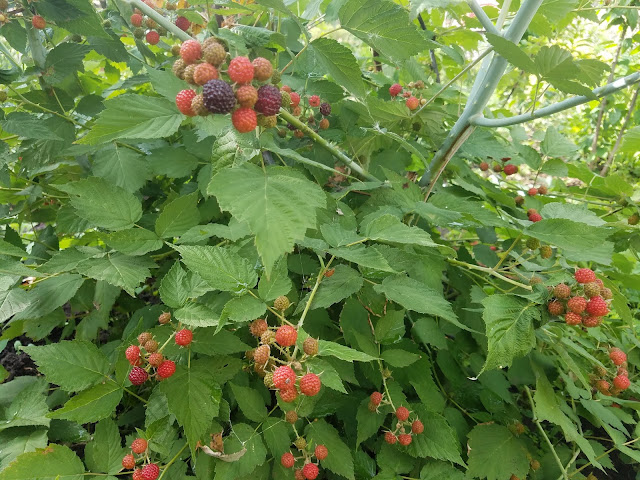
[395, 89]
[258, 327]
[577, 304]
[562, 291]
[183, 102]
[183, 23]
[139, 446]
[262, 69]
[284, 377]
[38, 22]
[376, 398]
[261, 354]
[597, 307]
[218, 96]
[190, 51]
[310, 384]
[402, 413]
[417, 427]
[314, 101]
[269, 100]
[591, 321]
[536, 217]
[404, 439]
[129, 462]
[412, 103]
[137, 475]
[390, 438]
[133, 355]
[286, 335]
[555, 308]
[166, 369]
[295, 99]
[603, 387]
[136, 20]
[184, 337]
[244, 119]
[288, 394]
[203, 73]
[585, 275]
[510, 169]
[572, 318]
[287, 460]
[240, 70]
[150, 471]
[621, 382]
[310, 471]
[153, 37]
[247, 96]
[138, 376]
[617, 356]
[484, 166]
[532, 192]
[321, 452]
[155, 359]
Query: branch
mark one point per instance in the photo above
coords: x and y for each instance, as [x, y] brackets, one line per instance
[625, 124]
[488, 270]
[326, 145]
[432, 53]
[482, 17]
[160, 19]
[480, 121]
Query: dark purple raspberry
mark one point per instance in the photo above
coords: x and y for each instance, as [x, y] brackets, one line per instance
[325, 109]
[269, 100]
[218, 96]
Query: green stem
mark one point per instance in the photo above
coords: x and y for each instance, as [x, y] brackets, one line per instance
[506, 254]
[7, 54]
[134, 395]
[161, 20]
[602, 456]
[326, 145]
[171, 462]
[544, 434]
[38, 52]
[488, 270]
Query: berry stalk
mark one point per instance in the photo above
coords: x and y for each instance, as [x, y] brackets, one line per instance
[160, 19]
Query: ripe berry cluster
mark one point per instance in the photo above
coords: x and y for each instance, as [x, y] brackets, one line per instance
[586, 303]
[310, 469]
[508, 169]
[404, 428]
[147, 471]
[305, 110]
[152, 354]
[147, 28]
[621, 378]
[412, 102]
[247, 94]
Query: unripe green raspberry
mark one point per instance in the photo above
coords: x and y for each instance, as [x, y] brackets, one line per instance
[175, 50]
[189, 70]
[268, 380]
[138, 33]
[197, 105]
[281, 303]
[3, 96]
[533, 243]
[546, 251]
[179, 67]
[275, 77]
[591, 289]
[300, 443]
[214, 53]
[286, 99]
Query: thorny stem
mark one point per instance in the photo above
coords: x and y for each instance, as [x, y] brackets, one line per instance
[490, 271]
[544, 434]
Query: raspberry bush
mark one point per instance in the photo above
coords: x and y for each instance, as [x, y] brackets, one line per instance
[278, 241]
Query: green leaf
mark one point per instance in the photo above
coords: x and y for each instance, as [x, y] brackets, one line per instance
[122, 167]
[512, 53]
[178, 216]
[26, 125]
[165, 83]
[197, 315]
[367, 257]
[390, 327]
[438, 439]
[326, 348]
[325, 56]
[571, 211]
[578, 241]
[495, 454]
[509, 321]
[251, 403]
[416, 296]
[341, 462]
[64, 60]
[385, 26]
[50, 294]
[255, 453]
[388, 228]
[56, 462]
[242, 309]
[74, 365]
[329, 375]
[556, 62]
[28, 408]
[259, 36]
[399, 358]
[16, 442]
[276, 435]
[133, 241]
[208, 342]
[11, 250]
[194, 399]
[277, 284]
[172, 162]
[103, 204]
[279, 206]
[437, 470]
[369, 423]
[91, 405]
[344, 282]
[174, 289]
[134, 116]
[12, 302]
[117, 269]
[104, 452]
[556, 10]
[221, 268]
[631, 141]
[557, 145]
